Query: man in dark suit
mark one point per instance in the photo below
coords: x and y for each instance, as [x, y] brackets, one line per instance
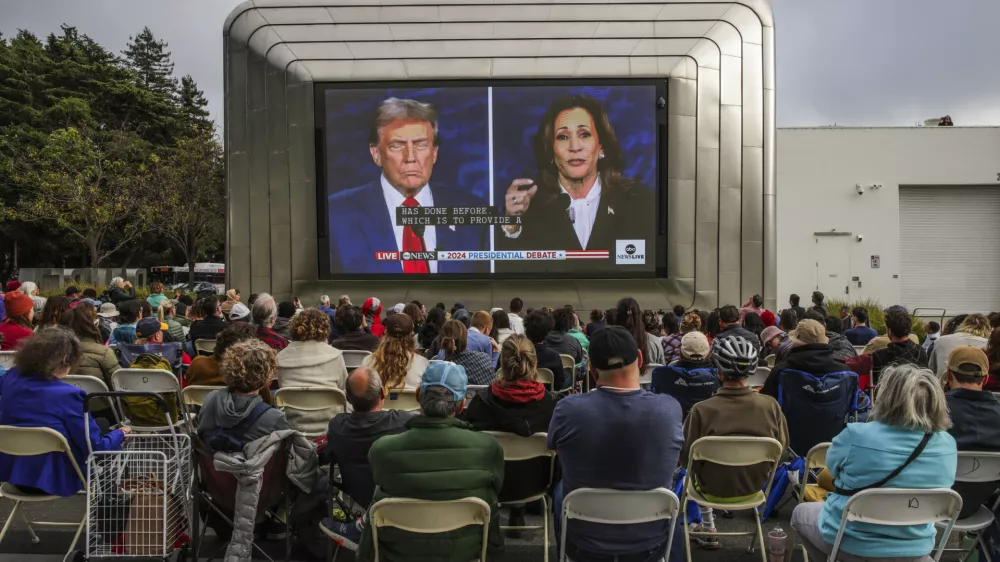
[404, 144]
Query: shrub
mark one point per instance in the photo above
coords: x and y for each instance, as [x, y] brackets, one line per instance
[876, 316]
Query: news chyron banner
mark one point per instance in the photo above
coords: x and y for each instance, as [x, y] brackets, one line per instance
[491, 178]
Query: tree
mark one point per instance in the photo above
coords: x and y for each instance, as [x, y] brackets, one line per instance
[150, 59]
[192, 105]
[193, 213]
[92, 186]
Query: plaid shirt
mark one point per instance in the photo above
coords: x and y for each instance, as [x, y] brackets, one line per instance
[271, 338]
[478, 366]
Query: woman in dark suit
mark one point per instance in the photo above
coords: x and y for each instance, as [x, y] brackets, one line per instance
[578, 199]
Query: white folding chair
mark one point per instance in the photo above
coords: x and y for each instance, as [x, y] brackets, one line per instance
[472, 389]
[815, 460]
[402, 399]
[646, 378]
[976, 467]
[195, 394]
[7, 359]
[515, 449]
[150, 380]
[569, 368]
[28, 442]
[859, 349]
[429, 517]
[90, 385]
[731, 450]
[353, 358]
[758, 377]
[309, 409]
[204, 347]
[901, 507]
[619, 507]
[770, 360]
[545, 376]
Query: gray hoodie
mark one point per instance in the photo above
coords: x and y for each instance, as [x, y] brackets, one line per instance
[223, 409]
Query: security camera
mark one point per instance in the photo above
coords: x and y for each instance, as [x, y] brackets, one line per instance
[661, 103]
[861, 237]
[860, 189]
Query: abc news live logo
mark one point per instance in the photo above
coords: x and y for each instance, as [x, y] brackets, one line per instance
[405, 256]
[630, 252]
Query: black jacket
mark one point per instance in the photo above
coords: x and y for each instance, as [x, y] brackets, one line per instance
[800, 312]
[358, 340]
[206, 329]
[817, 359]
[548, 358]
[547, 226]
[118, 294]
[975, 418]
[842, 348]
[565, 344]
[897, 353]
[486, 412]
[349, 437]
[738, 330]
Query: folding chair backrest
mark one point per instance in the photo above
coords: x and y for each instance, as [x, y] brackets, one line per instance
[353, 358]
[517, 448]
[620, 507]
[90, 385]
[204, 347]
[978, 467]
[143, 413]
[646, 378]
[429, 517]
[309, 409]
[770, 360]
[7, 359]
[473, 389]
[902, 506]
[859, 349]
[402, 399]
[545, 376]
[195, 395]
[736, 450]
[816, 407]
[144, 380]
[567, 362]
[31, 441]
[759, 377]
[172, 352]
[815, 459]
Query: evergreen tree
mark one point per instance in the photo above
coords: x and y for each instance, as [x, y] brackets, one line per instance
[193, 105]
[150, 59]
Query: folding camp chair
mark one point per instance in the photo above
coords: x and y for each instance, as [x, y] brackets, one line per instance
[309, 409]
[429, 517]
[901, 507]
[618, 507]
[28, 442]
[731, 450]
[520, 449]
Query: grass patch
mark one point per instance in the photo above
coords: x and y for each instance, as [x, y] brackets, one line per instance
[876, 316]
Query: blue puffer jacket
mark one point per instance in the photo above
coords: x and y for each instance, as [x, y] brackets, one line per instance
[31, 401]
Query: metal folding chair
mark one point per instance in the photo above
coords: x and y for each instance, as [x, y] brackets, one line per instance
[618, 507]
[429, 517]
[901, 507]
[646, 378]
[976, 467]
[150, 380]
[90, 385]
[354, 358]
[28, 442]
[402, 399]
[7, 359]
[204, 347]
[302, 403]
[515, 449]
[759, 377]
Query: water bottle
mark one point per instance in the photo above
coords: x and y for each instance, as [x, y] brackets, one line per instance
[777, 541]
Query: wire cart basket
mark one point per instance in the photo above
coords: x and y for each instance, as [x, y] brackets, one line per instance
[140, 499]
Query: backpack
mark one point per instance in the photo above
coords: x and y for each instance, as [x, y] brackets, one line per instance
[145, 411]
[229, 439]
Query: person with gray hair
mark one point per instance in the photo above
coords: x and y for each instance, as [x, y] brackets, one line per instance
[38, 302]
[403, 144]
[263, 313]
[438, 457]
[350, 436]
[906, 445]
[120, 290]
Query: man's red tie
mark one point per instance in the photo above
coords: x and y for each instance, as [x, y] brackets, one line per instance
[413, 243]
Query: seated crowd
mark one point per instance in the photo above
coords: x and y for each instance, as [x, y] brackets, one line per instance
[924, 403]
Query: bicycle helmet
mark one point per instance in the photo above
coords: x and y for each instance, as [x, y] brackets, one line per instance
[734, 356]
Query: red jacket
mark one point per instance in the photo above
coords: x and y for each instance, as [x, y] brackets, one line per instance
[12, 334]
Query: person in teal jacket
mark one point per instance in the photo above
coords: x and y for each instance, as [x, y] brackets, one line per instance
[156, 295]
[910, 405]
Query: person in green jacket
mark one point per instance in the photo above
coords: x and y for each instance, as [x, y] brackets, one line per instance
[439, 457]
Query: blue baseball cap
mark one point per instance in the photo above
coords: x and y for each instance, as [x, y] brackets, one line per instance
[448, 375]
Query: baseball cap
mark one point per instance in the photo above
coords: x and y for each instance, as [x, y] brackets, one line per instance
[809, 331]
[372, 306]
[108, 310]
[968, 360]
[397, 308]
[448, 375]
[694, 345]
[613, 348]
[239, 311]
[147, 327]
[399, 325]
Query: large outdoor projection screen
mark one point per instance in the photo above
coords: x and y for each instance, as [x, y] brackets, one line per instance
[499, 179]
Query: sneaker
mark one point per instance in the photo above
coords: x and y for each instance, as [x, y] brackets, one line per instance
[708, 543]
[346, 534]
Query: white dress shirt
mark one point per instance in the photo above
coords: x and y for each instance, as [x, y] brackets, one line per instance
[394, 199]
[583, 212]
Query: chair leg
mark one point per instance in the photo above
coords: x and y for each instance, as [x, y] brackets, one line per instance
[76, 538]
[31, 531]
[545, 529]
[983, 549]
[10, 519]
[687, 536]
[760, 535]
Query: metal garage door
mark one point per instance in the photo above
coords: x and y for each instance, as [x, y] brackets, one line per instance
[949, 241]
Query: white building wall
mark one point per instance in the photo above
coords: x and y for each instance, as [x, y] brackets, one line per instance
[817, 173]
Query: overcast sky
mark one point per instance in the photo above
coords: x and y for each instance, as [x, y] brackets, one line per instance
[849, 62]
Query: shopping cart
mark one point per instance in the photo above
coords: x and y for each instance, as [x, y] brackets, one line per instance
[139, 499]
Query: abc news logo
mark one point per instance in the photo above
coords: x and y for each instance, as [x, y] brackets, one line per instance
[630, 252]
[405, 256]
